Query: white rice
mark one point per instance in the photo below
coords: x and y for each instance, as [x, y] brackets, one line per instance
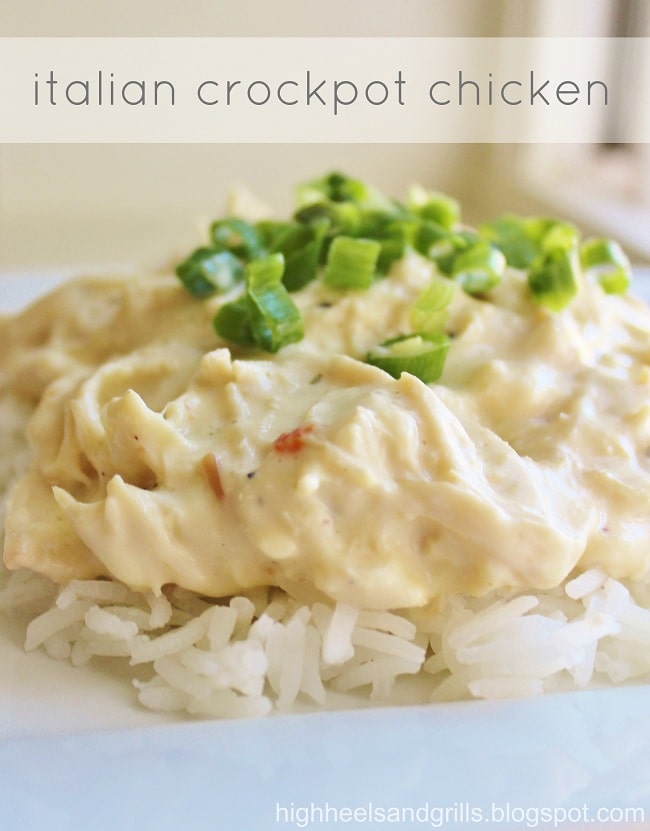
[267, 651]
[252, 655]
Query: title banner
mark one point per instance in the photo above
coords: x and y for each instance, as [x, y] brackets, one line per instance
[324, 90]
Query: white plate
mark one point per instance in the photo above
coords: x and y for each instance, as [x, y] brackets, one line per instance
[77, 753]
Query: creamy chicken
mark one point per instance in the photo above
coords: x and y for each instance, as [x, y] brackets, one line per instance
[159, 454]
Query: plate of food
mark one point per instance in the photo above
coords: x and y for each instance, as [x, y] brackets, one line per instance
[360, 489]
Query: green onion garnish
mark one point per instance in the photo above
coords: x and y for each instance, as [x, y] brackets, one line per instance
[558, 235]
[421, 354]
[337, 217]
[339, 188]
[478, 268]
[232, 322]
[390, 252]
[522, 239]
[301, 246]
[237, 236]
[512, 235]
[275, 319]
[441, 209]
[554, 279]
[271, 231]
[207, 271]
[291, 237]
[302, 265]
[334, 187]
[445, 252]
[351, 263]
[429, 311]
[431, 240]
[607, 260]
[348, 234]
[265, 314]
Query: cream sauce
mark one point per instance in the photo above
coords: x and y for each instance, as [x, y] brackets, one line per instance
[159, 455]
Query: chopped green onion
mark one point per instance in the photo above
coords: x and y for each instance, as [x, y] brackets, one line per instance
[447, 250]
[238, 236]
[270, 232]
[522, 239]
[554, 279]
[379, 224]
[301, 246]
[610, 264]
[232, 322]
[431, 240]
[335, 187]
[274, 318]
[302, 265]
[351, 233]
[402, 229]
[478, 268]
[391, 251]
[429, 311]
[339, 188]
[294, 237]
[394, 236]
[265, 314]
[207, 271]
[441, 209]
[421, 354]
[559, 235]
[351, 263]
[513, 237]
[342, 217]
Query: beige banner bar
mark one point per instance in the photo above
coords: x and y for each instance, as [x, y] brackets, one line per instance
[323, 90]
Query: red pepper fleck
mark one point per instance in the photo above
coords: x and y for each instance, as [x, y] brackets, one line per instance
[292, 441]
[210, 465]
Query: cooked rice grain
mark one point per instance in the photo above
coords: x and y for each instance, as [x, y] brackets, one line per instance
[268, 651]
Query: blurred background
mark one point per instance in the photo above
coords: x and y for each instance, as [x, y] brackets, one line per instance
[75, 205]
